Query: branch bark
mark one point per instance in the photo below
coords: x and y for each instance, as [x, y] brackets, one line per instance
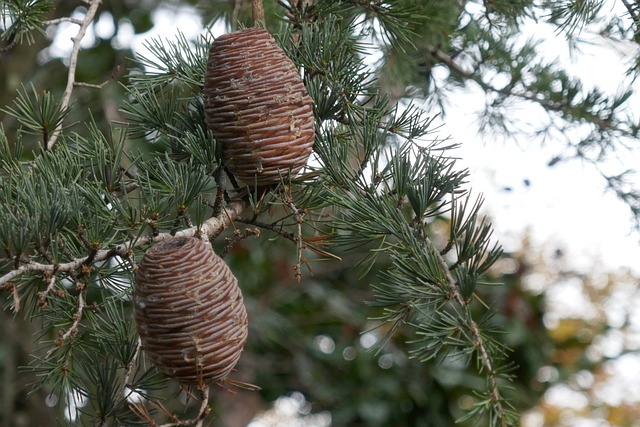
[73, 63]
[564, 108]
[481, 348]
[209, 228]
[258, 13]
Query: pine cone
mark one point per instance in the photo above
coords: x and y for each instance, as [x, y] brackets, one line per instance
[257, 107]
[189, 311]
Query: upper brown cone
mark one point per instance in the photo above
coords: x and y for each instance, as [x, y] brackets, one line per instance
[256, 105]
[189, 311]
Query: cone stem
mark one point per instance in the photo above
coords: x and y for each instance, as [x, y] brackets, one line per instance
[258, 13]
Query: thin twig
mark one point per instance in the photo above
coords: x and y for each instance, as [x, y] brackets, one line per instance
[632, 14]
[209, 228]
[16, 295]
[92, 85]
[204, 407]
[10, 45]
[475, 333]
[258, 13]
[299, 216]
[130, 367]
[386, 128]
[310, 243]
[141, 411]
[560, 107]
[63, 19]
[42, 296]
[202, 413]
[126, 189]
[274, 227]
[234, 14]
[487, 13]
[16, 299]
[77, 317]
[221, 184]
[238, 236]
[73, 63]
[132, 363]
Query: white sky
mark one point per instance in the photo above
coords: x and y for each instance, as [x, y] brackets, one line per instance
[565, 206]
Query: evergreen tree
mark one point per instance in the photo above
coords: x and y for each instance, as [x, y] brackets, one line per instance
[382, 204]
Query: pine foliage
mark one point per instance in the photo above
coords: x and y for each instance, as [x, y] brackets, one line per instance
[79, 209]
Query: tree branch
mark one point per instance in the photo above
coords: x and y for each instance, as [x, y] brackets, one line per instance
[475, 333]
[76, 318]
[131, 365]
[202, 412]
[238, 236]
[209, 228]
[63, 19]
[258, 12]
[73, 63]
[603, 125]
[9, 45]
[299, 217]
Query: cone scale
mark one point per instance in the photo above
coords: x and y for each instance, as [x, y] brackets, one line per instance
[189, 311]
[258, 108]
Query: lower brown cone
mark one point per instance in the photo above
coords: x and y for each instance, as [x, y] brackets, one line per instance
[189, 311]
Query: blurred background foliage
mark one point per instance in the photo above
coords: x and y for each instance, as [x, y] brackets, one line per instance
[317, 337]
